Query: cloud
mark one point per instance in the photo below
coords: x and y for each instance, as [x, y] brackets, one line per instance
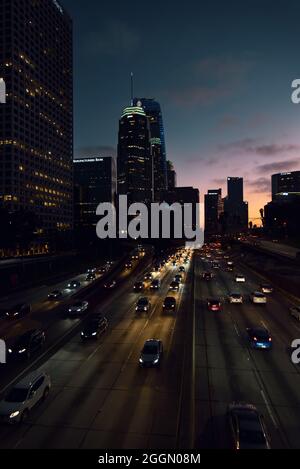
[250, 145]
[227, 121]
[260, 186]
[113, 38]
[278, 166]
[210, 80]
[93, 151]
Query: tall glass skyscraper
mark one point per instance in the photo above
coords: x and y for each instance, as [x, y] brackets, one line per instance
[36, 122]
[153, 111]
[135, 170]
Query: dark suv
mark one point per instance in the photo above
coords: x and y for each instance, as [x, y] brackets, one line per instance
[27, 344]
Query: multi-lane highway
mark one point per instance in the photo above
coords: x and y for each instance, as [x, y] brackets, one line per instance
[228, 369]
[102, 398]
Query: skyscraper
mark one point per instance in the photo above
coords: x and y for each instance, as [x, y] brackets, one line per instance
[235, 209]
[171, 176]
[135, 170]
[36, 122]
[285, 183]
[153, 111]
[94, 183]
[213, 210]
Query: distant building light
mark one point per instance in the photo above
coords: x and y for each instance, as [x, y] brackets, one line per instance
[89, 160]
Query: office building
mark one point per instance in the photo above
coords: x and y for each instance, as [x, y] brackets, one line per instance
[214, 207]
[236, 214]
[135, 169]
[171, 176]
[158, 145]
[36, 122]
[94, 183]
[285, 184]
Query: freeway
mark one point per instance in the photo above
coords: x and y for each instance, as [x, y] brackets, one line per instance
[228, 370]
[100, 397]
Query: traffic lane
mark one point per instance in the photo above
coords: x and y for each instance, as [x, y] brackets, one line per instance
[57, 327]
[109, 369]
[280, 377]
[225, 373]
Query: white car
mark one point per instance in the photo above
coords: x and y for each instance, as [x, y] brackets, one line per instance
[78, 307]
[240, 278]
[267, 289]
[258, 298]
[295, 312]
[236, 298]
[17, 404]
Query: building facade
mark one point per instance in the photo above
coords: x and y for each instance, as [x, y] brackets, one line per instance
[214, 207]
[158, 144]
[285, 183]
[135, 168]
[95, 182]
[171, 176]
[236, 211]
[36, 122]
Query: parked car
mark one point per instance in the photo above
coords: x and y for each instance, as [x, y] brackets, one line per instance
[24, 396]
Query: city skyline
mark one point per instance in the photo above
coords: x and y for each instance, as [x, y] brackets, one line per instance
[225, 101]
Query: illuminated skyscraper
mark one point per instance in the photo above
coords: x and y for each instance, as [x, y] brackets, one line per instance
[36, 123]
[135, 171]
[153, 111]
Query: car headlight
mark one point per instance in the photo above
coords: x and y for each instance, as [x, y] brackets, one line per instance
[94, 334]
[141, 360]
[9, 350]
[82, 333]
[145, 309]
[22, 351]
[14, 414]
[156, 361]
[78, 310]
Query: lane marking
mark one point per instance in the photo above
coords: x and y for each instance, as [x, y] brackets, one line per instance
[269, 409]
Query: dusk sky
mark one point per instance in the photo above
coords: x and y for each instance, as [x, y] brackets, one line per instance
[222, 72]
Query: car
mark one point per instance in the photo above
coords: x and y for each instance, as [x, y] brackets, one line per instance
[90, 277]
[178, 278]
[91, 270]
[259, 338]
[182, 268]
[110, 284]
[169, 304]
[175, 286]
[258, 298]
[148, 277]
[236, 298]
[207, 276]
[18, 311]
[215, 265]
[135, 257]
[239, 278]
[229, 263]
[295, 312]
[266, 288]
[247, 427]
[24, 396]
[96, 326]
[155, 284]
[152, 353]
[143, 305]
[78, 307]
[26, 344]
[73, 285]
[230, 268]
[138, 286]
[128, 266]
[55, 295]
[214, 304]
[102, 270]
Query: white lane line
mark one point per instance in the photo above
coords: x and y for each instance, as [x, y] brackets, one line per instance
[269, 408]
[236, 330]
